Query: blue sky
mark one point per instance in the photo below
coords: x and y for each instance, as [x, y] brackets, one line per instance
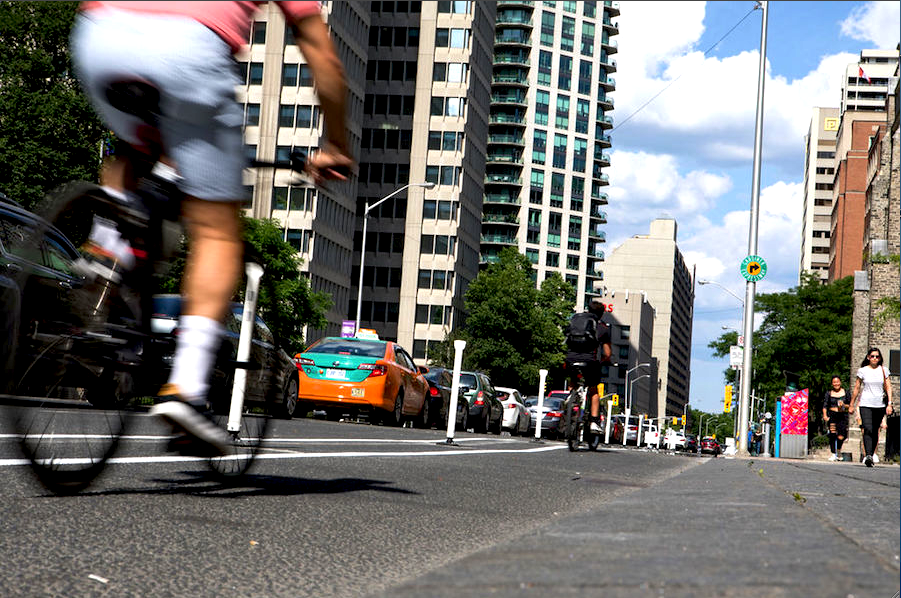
[689, 153]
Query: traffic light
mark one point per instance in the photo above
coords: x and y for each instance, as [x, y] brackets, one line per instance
[601, 389]
[727, 400]
[683, 420]
[675, 421]
[615, 400]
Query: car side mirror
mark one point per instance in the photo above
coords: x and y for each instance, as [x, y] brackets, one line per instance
[423, 370]
[464, 389]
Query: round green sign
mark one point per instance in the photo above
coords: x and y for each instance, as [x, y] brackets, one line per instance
[753, 268]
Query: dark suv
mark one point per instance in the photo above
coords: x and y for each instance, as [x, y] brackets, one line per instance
[48, 273]
[486, 413]
[273, 375]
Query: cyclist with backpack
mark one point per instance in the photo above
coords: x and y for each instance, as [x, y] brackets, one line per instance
[588, 342]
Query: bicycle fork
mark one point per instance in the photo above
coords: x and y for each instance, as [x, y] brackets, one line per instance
[236, 408]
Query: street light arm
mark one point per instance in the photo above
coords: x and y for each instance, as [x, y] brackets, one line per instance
[393, 193]
[713, 282]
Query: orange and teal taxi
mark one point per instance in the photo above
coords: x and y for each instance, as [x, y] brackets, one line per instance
[363, 373]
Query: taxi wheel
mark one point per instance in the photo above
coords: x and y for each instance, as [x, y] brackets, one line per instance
[288, 404]
[396, 416]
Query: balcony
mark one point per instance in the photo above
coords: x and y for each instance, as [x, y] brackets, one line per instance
[608, 83]
[609, 45]
[606, 102]
[598, 235]
[521, 79]
[512, 37]
[606, 122]
[502, 219]
[511, 99]
[511, 59]
[611, 7]
[599, 215]
[503, 179]
[601, 198]
[513, 19]
[489, 258]
[507, 119]
[608, 63]
[499, 139]
[515, 4]
[489, 239]
[603, 141]
[602, 158]
[503, 159]
[502, 198]
[609, 26]
[601, 177]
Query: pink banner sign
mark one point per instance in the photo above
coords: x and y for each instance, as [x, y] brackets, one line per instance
[794, 412]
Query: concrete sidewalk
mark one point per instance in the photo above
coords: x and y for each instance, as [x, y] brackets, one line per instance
[725, 527]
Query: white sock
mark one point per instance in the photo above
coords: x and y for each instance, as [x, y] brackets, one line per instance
[195, 353]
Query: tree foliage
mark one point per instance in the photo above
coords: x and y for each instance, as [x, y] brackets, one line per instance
[806, 332]
[49, 133]
[286, 301]
[513, 329]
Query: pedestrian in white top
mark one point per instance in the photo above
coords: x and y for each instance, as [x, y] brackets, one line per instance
[873, 396]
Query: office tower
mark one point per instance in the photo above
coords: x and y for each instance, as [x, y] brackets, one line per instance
[819, 172]
[281, 114]
[653, 264]
[425, 120]
[548, 131]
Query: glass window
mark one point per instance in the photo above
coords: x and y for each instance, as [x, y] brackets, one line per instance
[562, 116]
[442, 37]
[564, 76]
[547, 29]
[459, 38]
[286, 116]
[258, 33]
[252, 115]
[552, 259]
[539, 146]
[425, 279]
[445, 211]
[289, 75]
[255, 73]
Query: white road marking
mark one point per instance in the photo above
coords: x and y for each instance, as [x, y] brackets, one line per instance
[285, 454]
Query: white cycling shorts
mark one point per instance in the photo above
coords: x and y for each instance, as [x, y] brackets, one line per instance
[201, 123]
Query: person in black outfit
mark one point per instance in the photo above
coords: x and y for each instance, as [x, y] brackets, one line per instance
[593, 352]
[835, 413]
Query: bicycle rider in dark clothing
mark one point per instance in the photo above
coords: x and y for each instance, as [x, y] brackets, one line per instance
[594, 353]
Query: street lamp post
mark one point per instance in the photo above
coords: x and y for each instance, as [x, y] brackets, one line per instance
[629, 400]
[368, 209]
[739, 370]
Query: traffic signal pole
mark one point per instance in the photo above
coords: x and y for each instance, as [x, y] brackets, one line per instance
[750, 286]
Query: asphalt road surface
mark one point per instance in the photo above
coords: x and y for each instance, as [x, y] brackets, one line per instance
[342, 509]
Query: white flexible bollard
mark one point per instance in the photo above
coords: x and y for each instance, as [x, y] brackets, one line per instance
[626, 426]
[459, 345]
[254, 273]
[638, 434]
[542, 376]
[607, 423]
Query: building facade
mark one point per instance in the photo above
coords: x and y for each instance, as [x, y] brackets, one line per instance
[819, 172]
[631, 318]
[425, 120]
[654, 264]
[549, 129]
[877, 283]
[281, 114]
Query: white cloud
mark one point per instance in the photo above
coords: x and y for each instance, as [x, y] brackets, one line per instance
[875, 22]
[652, 183]
[709, 107]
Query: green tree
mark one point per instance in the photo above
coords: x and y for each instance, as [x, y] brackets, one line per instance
[513, 329]
[49, 134]
[805, 331]
[286, 301]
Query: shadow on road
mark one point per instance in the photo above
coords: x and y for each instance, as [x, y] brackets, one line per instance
[203, 483]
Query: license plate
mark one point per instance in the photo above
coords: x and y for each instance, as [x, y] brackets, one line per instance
[357, 392]
[336, 373]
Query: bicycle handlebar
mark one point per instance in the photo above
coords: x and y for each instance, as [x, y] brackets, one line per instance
[297, 161]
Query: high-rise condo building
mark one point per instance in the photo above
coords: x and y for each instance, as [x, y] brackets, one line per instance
[548, 129]
[819, 172]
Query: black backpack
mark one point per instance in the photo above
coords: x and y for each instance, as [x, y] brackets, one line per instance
[582, 332]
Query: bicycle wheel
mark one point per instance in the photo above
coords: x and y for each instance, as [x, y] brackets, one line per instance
[572, 421]
[245, 443]
[71, 377]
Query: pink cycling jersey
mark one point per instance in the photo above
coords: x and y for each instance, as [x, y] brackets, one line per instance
[231, 20]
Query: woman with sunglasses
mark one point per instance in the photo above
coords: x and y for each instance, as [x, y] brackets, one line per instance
[835, 413]
[873, 396]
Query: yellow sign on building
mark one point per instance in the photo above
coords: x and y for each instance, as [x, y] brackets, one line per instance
[830, 124]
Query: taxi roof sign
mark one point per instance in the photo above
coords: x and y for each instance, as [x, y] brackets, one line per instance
[367, 334]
